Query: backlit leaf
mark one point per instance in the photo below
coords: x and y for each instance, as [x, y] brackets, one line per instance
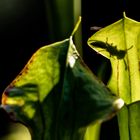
[120, 42]
[57, 95]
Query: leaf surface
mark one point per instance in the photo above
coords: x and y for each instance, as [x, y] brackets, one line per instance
[120, 42]
[57, 95]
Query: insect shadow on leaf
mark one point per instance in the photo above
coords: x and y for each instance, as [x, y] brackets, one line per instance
[111, 49]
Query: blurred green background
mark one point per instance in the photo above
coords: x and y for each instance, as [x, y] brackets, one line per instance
[26, 25]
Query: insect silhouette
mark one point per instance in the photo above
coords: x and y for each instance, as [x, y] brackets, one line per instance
[112, 50]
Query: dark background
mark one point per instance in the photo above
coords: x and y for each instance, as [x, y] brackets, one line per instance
[23, 29]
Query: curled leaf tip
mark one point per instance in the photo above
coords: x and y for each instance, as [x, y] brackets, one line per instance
[124, 15]
[76, 26]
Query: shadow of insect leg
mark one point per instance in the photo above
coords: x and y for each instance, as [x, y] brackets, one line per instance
[130, 48]
[125, 64]
[126, 67]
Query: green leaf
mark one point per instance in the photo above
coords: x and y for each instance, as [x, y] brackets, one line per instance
[93, 132]
[57, 95]
[134, 121]
[129, 122]
[119, 42]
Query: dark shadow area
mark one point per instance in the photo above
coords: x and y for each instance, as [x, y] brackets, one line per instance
[22, 31]
[110, 130]
[4, 122]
